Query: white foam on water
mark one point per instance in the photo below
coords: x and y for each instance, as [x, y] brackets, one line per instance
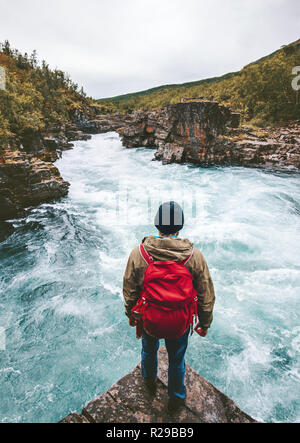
[62, 270]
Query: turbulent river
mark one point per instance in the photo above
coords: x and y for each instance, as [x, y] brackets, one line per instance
[62, 320]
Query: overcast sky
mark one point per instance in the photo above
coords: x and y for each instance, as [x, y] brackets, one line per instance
[112, 47]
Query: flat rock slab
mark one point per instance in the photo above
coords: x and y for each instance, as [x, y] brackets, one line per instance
[128, 401]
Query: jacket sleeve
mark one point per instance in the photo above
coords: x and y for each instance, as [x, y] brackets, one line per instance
[205, 288]
[133, 281]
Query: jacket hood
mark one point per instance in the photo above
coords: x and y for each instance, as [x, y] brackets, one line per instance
[175, 249]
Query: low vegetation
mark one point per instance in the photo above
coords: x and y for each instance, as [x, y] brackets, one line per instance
[35, 96]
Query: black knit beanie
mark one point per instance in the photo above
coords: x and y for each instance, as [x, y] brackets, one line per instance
[169, 218]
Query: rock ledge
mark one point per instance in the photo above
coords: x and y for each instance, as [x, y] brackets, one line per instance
[128, 402]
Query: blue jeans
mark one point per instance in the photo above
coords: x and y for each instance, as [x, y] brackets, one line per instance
[176, 351]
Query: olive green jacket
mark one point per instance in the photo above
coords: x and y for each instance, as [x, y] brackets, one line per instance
[176, 250]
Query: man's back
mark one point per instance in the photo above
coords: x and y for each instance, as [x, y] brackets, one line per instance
[174, 249]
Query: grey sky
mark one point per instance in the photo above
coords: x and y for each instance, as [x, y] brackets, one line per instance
[117, 46]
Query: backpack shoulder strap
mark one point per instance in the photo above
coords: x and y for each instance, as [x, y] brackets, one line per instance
[145, 255]
[184, 262]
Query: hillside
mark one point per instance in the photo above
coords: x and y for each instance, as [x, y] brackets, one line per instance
[261, 91]
[36, 97]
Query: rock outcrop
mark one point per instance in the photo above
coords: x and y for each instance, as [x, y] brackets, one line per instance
[207, 134]
[27, 174]
[274, 148]
[181, 132]
[26, 181]
[129, 402]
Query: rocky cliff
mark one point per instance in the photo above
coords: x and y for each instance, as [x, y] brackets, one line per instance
[206, 134]
[27, 174]
[185, 132]
[25, 180]
[129, 402]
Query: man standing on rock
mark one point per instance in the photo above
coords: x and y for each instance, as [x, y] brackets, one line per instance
[166, 285]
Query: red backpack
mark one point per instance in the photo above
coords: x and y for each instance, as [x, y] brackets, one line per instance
[168, 302]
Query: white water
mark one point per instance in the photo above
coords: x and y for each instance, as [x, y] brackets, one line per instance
[67, 339]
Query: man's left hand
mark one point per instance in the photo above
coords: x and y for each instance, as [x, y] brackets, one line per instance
[133, 323]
